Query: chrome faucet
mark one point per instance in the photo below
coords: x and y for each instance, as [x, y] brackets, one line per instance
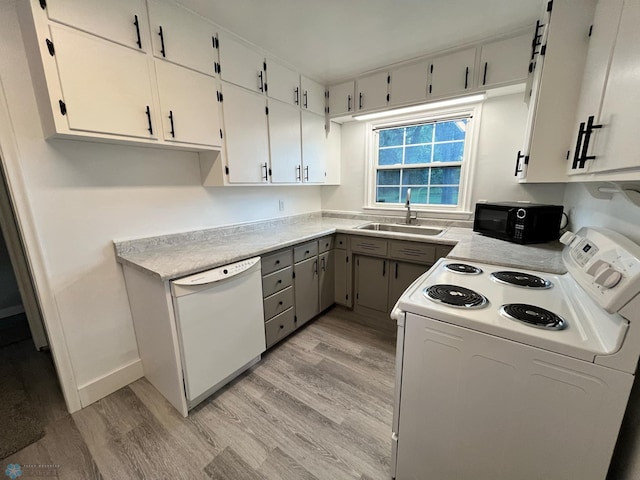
[408, 206]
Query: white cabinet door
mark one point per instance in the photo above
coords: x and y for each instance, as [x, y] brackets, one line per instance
[373, 91]
[334, 160]
[313, 98]
[182, 37]
[505, 61]
[409, 84]
[189, 105]
[89, 68]
[283, 83]
[122, 21]
[241, 65]
[617, 140]
[602, 41]
[245, 134]
[451, 74]
[314, 148]
[341, 98]
[285, 142]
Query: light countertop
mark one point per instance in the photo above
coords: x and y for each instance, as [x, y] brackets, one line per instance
[177, 255]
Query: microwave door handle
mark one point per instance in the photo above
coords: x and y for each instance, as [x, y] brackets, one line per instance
[511, 221]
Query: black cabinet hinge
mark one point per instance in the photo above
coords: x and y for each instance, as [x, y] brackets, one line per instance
[431, 68]
[590, 29]
[216, 43]
[550, 6]
[357, 296]
[293, 275]
[226, 170]
[269, 172]
[347, 259]
[50, 47]
[543, 50]
[264, 66]
[265, 87]
[430, 88]
[43, 4]
[346, 296]
[219, 96]
[387, 98]
[220, 133]
[63, 107]
[295, 319]
[568, 153]
[266, 110]
[216, 67]
[388, 79]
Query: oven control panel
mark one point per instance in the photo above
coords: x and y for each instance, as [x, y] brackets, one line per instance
[606, 264]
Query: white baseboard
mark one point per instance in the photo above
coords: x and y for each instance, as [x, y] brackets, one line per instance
[101, 387]
[11, 311]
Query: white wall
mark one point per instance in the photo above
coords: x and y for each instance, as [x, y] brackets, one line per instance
[83, 195]
[501, 134]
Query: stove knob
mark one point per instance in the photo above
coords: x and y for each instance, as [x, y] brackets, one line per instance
[597, 267]
[608, 278]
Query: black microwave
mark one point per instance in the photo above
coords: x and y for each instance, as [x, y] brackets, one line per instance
[518, 222]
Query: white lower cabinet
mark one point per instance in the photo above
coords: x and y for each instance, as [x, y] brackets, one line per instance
[189, 105]
[246, 135]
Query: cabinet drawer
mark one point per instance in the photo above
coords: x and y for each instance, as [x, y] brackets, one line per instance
[325, 244]
[276, 261]
[304, 251]
[278, 303]
[277, 281]
[413, 252]
[341, 241]
[279, 327]
[443, 250]
[369, 246]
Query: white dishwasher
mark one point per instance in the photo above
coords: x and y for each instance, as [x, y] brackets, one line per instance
[220, 323]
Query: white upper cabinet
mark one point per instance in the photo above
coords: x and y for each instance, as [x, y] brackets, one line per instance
[285, 142]
[314, 148]
[182, 37]
[452, 74]
[601, 44]
[505, 61]
[555, 91]
[121, 21]
[88, 67]
[409, 84]
[240, 64]
[283, 83]
[188, 105]
[616, 141]
[373, 91]
[313, 98]
[341, 98]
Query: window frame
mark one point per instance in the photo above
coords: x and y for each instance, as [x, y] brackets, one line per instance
[467, 165]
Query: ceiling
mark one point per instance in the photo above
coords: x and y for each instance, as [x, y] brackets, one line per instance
[332, 40]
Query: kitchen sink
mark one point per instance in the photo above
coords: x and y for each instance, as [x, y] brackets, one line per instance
[396, 228]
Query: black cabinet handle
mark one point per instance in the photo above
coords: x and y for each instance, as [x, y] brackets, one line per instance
[172, 132]
[315, 267]
[384, 268]
[266, 171]
[261, 86]
[306, 173]
[396, 269]
[587, 138]
[149, 120]
[518, 157]
[277, 262]
[279, 281]
[299, 173]
[306, 99]
[324, 265]
[137, 24]
[360, 101]
[576, 154]
[280, 303]
[296, 98]
[161, 33]
[466, 78]
[281, 326]
[348, 103]
[484, 76]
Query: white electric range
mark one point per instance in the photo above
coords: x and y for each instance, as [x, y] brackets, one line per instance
[507, 374]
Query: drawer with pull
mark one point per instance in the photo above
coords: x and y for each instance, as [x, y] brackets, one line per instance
[274, 282]
[423, 253]
[279, 327]
[341, 241]
[278, 302]
[369, 246]
[276, 261]
[325, 243]
[304, 251]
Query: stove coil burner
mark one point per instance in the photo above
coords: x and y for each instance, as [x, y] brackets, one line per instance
[520, 279]
[533, 316]
[463, 268]
[455, 296]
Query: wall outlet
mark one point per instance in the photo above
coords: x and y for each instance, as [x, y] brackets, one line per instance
[281, 205]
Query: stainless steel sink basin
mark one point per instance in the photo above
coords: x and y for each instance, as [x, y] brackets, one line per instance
[396, 228]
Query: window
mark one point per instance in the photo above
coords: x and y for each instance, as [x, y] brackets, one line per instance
[430, 155]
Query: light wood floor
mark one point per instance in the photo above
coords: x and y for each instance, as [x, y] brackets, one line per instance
[318, 406]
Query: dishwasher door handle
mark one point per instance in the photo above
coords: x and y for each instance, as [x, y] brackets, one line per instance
[199, 281]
